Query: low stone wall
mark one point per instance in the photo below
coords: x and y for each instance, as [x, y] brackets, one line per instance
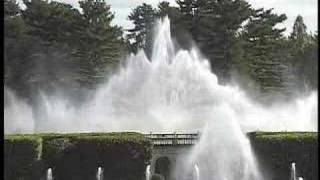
[76, 156]
[275, 151]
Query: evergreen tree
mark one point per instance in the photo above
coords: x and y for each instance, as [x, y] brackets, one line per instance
[51, 22]
[99, 43]
[299, 32]
[164, 9]
[310, 68]
[303, 56]
[17, 48]
[263, 47]
[213, 25]
[51, 28]
[186, 22]
[64, 48]
[140, 37]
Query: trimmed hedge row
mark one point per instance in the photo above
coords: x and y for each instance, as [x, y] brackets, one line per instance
[21, 157]
[275, 151]
[77, 156]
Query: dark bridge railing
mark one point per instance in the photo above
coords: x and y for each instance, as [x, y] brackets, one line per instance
[173, 139]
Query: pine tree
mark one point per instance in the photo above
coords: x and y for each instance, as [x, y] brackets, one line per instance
[186, 22]
[17, 48]
[310, 68]
[140, 37]
[213, 25]
[303, 56]
[85, 44]
[50, 27]
[164, 9]
[99, 43]
[263, 51]
[299, 32]
[52, 22]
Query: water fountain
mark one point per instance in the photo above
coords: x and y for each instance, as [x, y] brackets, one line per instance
[99, 174]
[293, 171]
[148, 173]
[175, 90]
[49, 174]
[300, 178]
[197, 172]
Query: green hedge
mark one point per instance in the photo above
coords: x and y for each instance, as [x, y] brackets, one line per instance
[276, 151]
[22, 157]
[78, 156]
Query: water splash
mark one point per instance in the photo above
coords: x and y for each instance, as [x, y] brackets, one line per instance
[293, 171]
[99, 174]
[300, 178]
[148, 173]
[18, 115]
[49, 174]
[173, 91]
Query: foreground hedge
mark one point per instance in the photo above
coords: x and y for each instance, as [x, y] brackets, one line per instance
[276, 151]
[21, 157]
[77, 156]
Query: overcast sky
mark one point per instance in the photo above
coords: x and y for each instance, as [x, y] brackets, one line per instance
[308, 9]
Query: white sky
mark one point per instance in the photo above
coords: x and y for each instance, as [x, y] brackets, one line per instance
[308, 9]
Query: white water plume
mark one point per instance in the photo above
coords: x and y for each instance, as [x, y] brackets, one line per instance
[148, 172]
[293, 174]
[175, 91]
[99, 175]
[49, 174]
[196, 172]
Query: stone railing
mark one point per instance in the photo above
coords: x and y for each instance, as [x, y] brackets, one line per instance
[173, 139]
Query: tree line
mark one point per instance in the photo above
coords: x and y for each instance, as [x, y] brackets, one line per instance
[50, 44]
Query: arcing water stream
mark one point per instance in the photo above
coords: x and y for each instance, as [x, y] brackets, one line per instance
[174, 91]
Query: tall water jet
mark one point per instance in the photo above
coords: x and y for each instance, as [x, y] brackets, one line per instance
[148, 173]
[293, 171]
[197, 172]
[49, 174]
[99, 174]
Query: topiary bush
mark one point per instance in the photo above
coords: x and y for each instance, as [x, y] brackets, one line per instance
[275, 151]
